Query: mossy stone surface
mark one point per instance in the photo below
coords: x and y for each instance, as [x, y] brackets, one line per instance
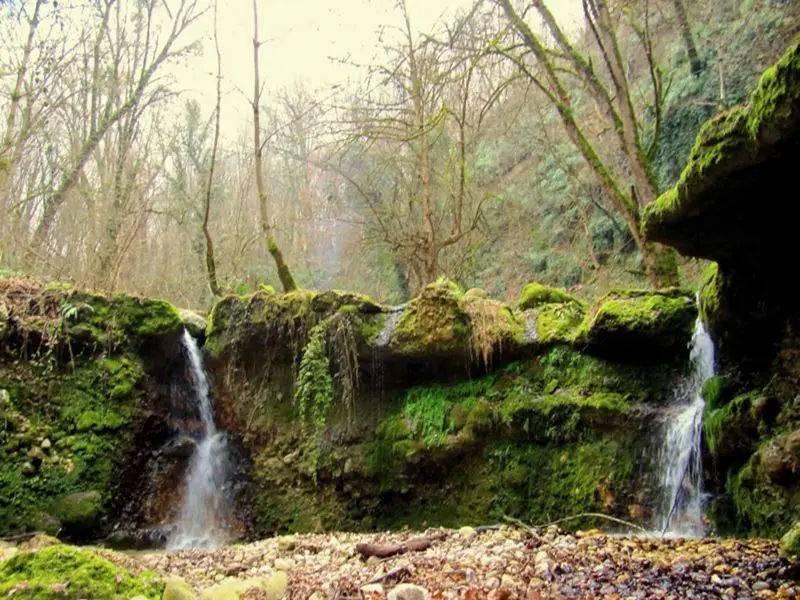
[639, 323]
[59, 572]
[535, 294]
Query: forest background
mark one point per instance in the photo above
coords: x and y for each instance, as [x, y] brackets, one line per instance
[501, 143]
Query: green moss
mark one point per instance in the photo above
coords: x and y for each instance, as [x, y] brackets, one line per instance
[718, 391]
[58, 572]
[731, 141]
[731, 430]
[790, 542]
[81, 511]
[241, 324]
[558, 322]
[640, 323]
[755, 505]
[535, 294]
[539, 484]
[86, 413]
[709, 296]
[433, 323]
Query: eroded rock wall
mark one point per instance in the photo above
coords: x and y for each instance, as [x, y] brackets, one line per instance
[453, 409]
[736, 204]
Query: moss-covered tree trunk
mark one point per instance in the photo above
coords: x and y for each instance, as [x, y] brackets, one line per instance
[660, 264]
[267, 231]
[695, 64]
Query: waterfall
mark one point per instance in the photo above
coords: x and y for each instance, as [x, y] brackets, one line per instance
[681, 459]
[201, 516]
[385, 334]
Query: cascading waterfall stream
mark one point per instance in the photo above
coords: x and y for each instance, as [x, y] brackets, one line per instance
[200, 520]
[681, 457]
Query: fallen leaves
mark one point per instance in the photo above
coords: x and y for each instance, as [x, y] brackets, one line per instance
[499, 564]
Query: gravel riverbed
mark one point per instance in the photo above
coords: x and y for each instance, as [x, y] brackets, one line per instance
[498, 564]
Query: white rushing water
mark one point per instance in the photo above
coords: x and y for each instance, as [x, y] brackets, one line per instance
[203, 506]
[681, 455]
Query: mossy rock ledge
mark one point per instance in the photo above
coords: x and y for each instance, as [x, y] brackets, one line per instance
[59, 571]
[86, 389]
[731, 206]
[444, 411]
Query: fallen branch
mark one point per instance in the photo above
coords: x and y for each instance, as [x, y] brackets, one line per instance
[395, 574]
[385, 551]
[574, 518]
[22, 536]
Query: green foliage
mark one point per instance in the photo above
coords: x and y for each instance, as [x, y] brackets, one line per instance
[755, 505]
[314, 395]
[429, 408]
[568, 480]
[86, 413]
[63, 572]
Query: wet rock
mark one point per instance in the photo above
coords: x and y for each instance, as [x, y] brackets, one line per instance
[408, 591]
[46, 445]
[196, 324]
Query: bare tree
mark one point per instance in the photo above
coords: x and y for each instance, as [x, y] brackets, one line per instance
[267, 229]
[211, 264]
[118, 104]
[695, 64]
[552, 70]
[410, 155]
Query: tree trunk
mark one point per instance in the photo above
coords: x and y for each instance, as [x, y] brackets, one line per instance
[284, 274]
[211, 263]
[695, 64]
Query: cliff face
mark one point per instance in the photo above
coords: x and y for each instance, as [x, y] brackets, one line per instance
[84, 398]
[341, 413]
[736, 204]
[453, 409]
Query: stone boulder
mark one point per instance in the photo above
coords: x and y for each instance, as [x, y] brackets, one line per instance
[81, 513]
[195, 323]
[639, 324]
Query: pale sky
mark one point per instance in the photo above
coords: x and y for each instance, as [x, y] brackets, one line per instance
[300, 38]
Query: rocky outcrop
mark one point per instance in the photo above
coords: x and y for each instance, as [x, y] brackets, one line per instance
[444, 410]
[731, 206]
[82, 376]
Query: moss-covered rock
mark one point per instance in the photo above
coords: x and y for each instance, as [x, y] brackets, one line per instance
[81, 512]
[269, 588]
[754, 505]
[732, 430]
[740, 155]
[535, 294]
[58, 572]
[195, 323]
[176, 588]
[80, 405]
[790, 542]
[639, 323]
[434, 323]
